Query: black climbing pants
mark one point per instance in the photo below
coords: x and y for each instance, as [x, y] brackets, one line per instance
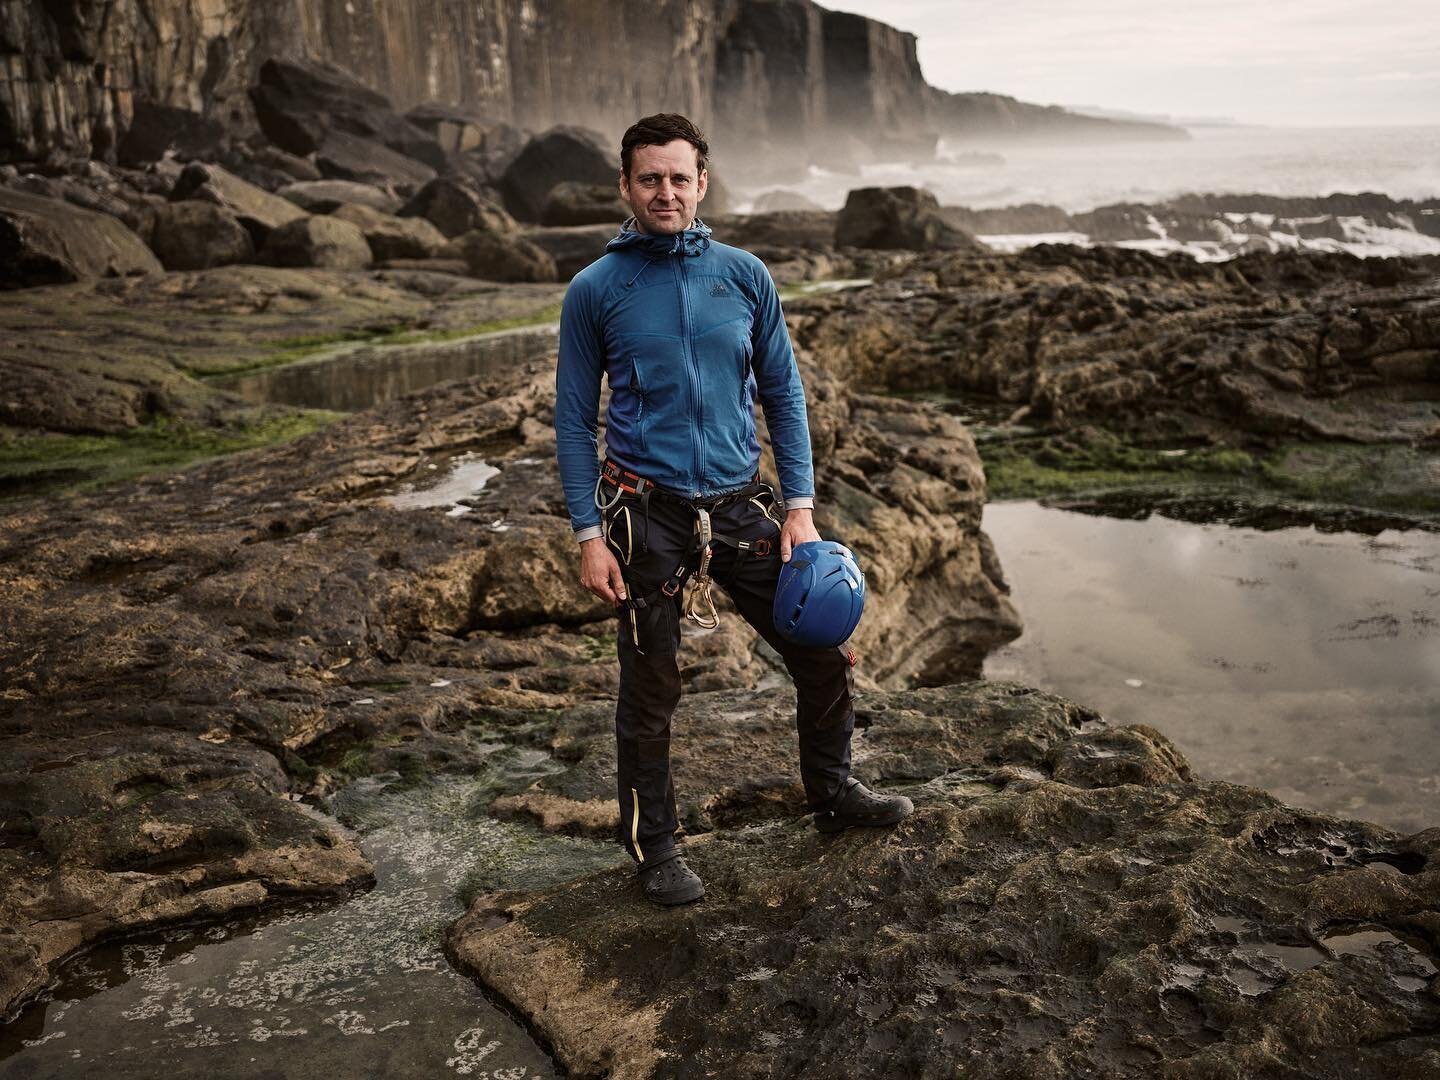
[651, 540]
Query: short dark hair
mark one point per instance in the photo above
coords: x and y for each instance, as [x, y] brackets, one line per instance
[658, 130]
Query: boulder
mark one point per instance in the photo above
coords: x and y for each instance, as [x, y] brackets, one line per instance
[449, 267]
[898, 218]
[157, 129]
[812, 230]
[195, 235]
[392, 237]
[1324, 227]
[342, 156]
[75, 192]
[454, 129]
[50, 242]
[570, 203]
[550, 158]
[574, 248]
[327, 196]
[259, 211]
[301, 104]
[318, 242]
[497, 257]
[293, 166]
[487, 163]
[455, 206]
[247, 168]
[1118, 222]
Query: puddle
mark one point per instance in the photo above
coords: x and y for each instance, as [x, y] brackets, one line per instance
[1384, 946]
[1256, 966]
[357, 376]
[360, 989]
[1285, 687]
[455, 481]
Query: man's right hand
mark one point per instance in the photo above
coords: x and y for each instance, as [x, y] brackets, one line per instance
[600, 572]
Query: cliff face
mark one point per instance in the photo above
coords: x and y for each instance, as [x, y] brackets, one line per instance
[996, 117]
[759, 75]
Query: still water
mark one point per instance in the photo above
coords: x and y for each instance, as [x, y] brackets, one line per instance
[1301, 662]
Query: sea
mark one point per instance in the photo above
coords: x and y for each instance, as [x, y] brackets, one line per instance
[1402, 162]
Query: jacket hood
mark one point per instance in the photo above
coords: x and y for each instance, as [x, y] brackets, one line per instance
[692, 241]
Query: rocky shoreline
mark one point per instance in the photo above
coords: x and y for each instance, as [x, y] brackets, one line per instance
[271, 625]
[190, 661]
[1068, 900]
[1303, 378]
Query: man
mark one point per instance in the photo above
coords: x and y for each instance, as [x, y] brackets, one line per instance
[688, 331]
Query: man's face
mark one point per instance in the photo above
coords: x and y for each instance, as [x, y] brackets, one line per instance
[664, 187]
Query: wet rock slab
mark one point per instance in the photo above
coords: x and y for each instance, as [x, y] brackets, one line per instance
[1066, 901]
[1326, 347]
[184, 656]
[733, 754]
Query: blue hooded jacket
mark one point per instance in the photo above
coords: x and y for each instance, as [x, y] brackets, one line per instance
[687, 331]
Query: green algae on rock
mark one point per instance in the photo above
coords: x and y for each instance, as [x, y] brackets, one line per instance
[1065, 901]
[132, 348]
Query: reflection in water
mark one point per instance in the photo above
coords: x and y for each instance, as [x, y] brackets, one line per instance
[462, 477]
[1307, 664]
[358, 989]
[354, 377]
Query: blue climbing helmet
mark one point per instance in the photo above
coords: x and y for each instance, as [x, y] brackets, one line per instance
[820, 596]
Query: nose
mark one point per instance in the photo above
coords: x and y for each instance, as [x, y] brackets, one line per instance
[666, 190]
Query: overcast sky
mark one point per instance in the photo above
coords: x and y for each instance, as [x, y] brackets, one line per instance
[1320, 62]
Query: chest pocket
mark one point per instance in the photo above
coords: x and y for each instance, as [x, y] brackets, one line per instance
[724, 353]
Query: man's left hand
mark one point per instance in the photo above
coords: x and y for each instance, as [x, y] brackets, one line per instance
[799, 527]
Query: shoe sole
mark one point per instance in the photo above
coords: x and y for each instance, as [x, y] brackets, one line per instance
[829, 824]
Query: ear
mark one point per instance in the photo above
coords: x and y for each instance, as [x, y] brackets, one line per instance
[624, 186]
[703, 185]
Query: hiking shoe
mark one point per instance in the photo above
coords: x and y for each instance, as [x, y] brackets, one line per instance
[858, 805]
[669, 881]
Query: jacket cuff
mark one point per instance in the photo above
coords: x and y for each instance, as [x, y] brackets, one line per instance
[589, 532]
[800, 502]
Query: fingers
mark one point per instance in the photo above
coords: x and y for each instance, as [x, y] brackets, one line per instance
[785, 545]
[602, 589]
[600, 574]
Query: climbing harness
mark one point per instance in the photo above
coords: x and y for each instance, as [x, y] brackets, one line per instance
[699, 604]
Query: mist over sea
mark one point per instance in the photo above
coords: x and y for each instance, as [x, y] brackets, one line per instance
[1403, 162]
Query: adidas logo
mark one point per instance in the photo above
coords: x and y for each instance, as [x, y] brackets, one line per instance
[718, 289]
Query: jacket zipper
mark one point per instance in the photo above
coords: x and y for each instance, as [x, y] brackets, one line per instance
[697, 415]
[639, 403]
